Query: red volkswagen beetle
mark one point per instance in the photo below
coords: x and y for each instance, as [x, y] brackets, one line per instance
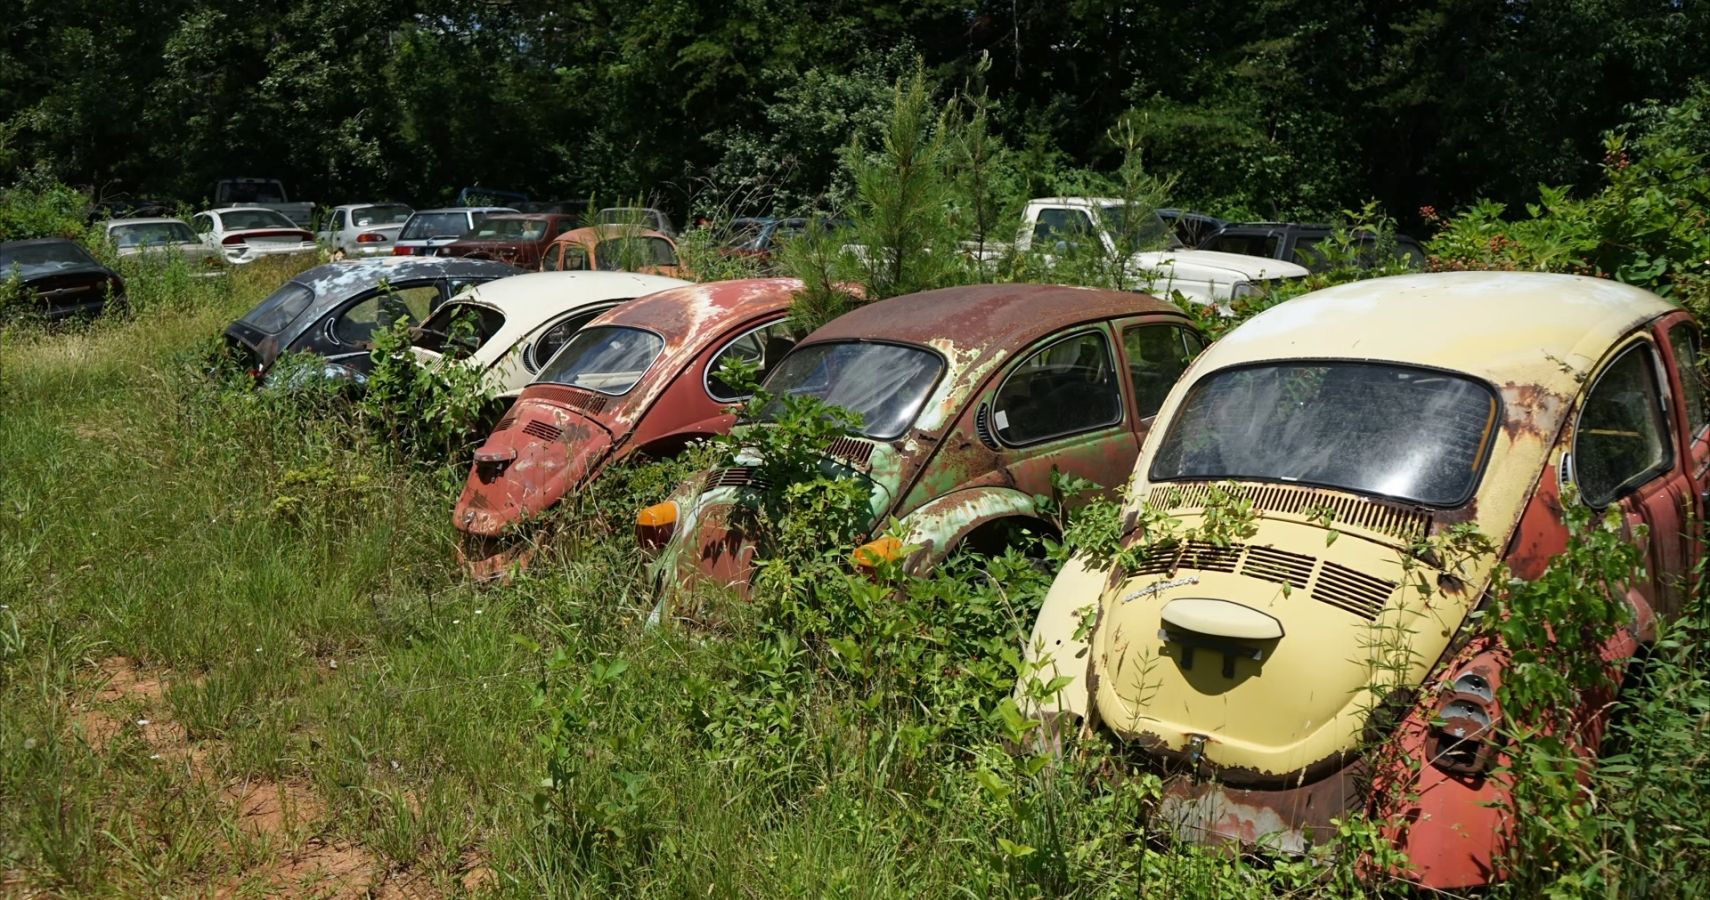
[642, 378]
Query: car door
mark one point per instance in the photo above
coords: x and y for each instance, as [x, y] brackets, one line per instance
[1063, 406]
[1682, 342]
[1626, 452]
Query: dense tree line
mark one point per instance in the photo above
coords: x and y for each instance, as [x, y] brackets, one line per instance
[1255, 107]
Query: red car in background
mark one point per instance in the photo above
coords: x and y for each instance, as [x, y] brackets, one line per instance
[641, 379]
[515, 238]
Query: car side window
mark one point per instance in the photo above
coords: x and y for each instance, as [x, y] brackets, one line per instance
[1622, 439]
[1157, 357]
[575, 258]
[1063, 389]
[557, 335]
[1067, 225]
[383, 309]
[761, 347]
[338, 220]
[204, 223]
[1684, 339]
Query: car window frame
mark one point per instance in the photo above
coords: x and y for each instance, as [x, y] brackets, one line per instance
[329, 322]
[534, 365]
[1670, 438]
[1123, 399]
[708, 370]
[1691, 370]
[1184, 331]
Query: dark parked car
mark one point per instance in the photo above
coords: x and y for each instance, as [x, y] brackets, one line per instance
[334, 310]
[516, 238]
[1298, 243]
[60, 276]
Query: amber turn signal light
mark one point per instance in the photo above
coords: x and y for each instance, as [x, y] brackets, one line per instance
[654, 525]
[873, 554]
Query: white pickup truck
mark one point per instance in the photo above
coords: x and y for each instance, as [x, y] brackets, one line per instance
[268, 193]
[1051, 224]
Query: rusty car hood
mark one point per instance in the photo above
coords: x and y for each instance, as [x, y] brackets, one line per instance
[540, 452]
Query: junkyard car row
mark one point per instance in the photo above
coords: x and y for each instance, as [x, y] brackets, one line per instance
[1240, 670]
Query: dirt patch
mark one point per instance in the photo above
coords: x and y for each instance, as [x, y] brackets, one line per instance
[273, 808]
[320, 869]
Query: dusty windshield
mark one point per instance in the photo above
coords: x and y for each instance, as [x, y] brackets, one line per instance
[606, 359]
[509, 230]
[624, 254]
[1394, 431]
[1138, 226]
[884, 384]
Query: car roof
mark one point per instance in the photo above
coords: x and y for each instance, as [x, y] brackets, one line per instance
[593, 235]
[332, 282]
[1522, 328]
[537, 296]
[995, 314]
[146, 220]
[681, 313]
[463, 209]
[37, 242]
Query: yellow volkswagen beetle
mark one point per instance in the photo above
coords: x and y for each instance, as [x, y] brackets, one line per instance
[1388, 411]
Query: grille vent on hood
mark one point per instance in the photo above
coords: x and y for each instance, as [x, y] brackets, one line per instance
[1401, 524]
[588, 403]
[1339, 586]
[735, 476]
[506, 422]
[546, 431]
[850, 450]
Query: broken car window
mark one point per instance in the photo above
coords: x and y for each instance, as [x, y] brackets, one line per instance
[1066, 388]
[608, 359]
[459, 329]
[884, 384]
[1622, 439]
[383, 310]
[1394, 431]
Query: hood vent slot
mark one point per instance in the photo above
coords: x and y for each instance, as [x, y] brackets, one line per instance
[546, 431]
[735, 476]
[1279, 566]
[1337, 585]
[850, 450]
[1404, 525]
[1356, 592]
[506, 422]
[588, 403]
[983, 427]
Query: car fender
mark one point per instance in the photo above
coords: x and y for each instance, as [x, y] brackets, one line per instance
[935, 528]
[1059, 645]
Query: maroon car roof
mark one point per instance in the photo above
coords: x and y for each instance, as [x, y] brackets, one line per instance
[681, 314]
[1006, 315]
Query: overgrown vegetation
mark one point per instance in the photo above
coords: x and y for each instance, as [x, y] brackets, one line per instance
[210, 589]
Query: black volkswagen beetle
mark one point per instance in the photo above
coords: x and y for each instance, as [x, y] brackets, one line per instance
[334, 310]
[61, 276]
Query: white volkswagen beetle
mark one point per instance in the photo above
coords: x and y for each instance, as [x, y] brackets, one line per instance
[509, 328]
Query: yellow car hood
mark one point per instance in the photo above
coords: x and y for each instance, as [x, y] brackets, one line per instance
[1273, 649]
